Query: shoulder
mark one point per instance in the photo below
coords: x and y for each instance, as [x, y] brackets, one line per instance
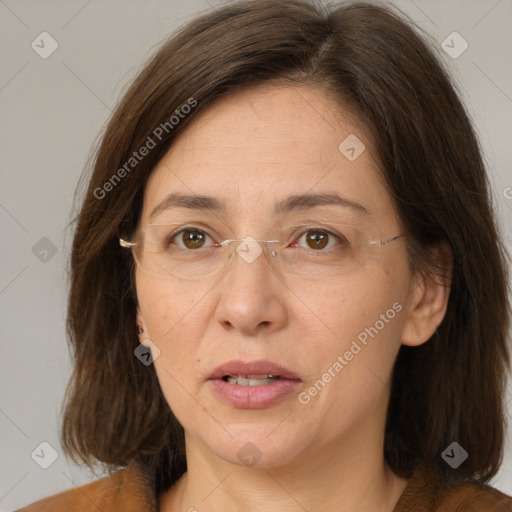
[80, 498]
[125, 490]
[473, 498]
[426, 492]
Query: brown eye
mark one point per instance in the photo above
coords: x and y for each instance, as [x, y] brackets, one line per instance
[190, 239]
[317, 239]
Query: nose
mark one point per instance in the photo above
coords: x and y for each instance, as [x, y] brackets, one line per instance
[252, 295]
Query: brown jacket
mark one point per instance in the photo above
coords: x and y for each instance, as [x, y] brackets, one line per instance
[132, 490]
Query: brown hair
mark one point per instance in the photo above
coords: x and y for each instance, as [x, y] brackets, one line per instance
[372, 59]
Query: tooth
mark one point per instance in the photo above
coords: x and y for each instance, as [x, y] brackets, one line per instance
[250, 380]
[253, 376]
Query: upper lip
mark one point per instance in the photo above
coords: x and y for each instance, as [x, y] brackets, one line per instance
[259, 367]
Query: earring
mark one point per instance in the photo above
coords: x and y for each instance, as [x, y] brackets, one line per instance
[140, 330]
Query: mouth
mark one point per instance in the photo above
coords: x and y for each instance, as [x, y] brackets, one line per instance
[252, 373]
[253, 384]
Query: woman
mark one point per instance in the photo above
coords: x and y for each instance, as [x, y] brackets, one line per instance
[288, 262]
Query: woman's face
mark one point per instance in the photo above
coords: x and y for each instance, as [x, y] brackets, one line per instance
[336, 337]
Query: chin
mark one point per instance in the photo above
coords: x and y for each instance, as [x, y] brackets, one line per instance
[255, 448]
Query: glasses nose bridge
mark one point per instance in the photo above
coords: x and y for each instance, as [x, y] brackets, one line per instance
[249, 249]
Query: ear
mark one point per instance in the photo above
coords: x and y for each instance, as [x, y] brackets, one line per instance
[140, 324]
[429, 299]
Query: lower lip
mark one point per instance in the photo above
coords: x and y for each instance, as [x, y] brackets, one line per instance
[254, 397]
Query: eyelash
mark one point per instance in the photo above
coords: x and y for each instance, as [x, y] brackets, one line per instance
[185, 229]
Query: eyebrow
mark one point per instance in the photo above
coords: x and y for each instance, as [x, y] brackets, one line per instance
[306, 201]
[192, 202]
[289, 204]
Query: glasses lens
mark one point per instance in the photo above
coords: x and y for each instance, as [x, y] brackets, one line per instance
[308, 251]
[324, 251]
[184, 254]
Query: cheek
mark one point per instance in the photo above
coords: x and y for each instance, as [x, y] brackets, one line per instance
[175, 322]
[165, 307]
[363, 318]
[175, 319]
[351, 334]
[358, 301]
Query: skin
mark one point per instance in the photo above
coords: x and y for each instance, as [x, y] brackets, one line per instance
[250, 150]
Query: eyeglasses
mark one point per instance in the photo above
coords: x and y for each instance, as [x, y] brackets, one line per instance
[308, 251]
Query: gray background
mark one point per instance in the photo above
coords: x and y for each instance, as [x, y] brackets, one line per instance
[51, 112]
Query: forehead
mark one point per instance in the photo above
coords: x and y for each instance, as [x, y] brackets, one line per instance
[262, 144]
